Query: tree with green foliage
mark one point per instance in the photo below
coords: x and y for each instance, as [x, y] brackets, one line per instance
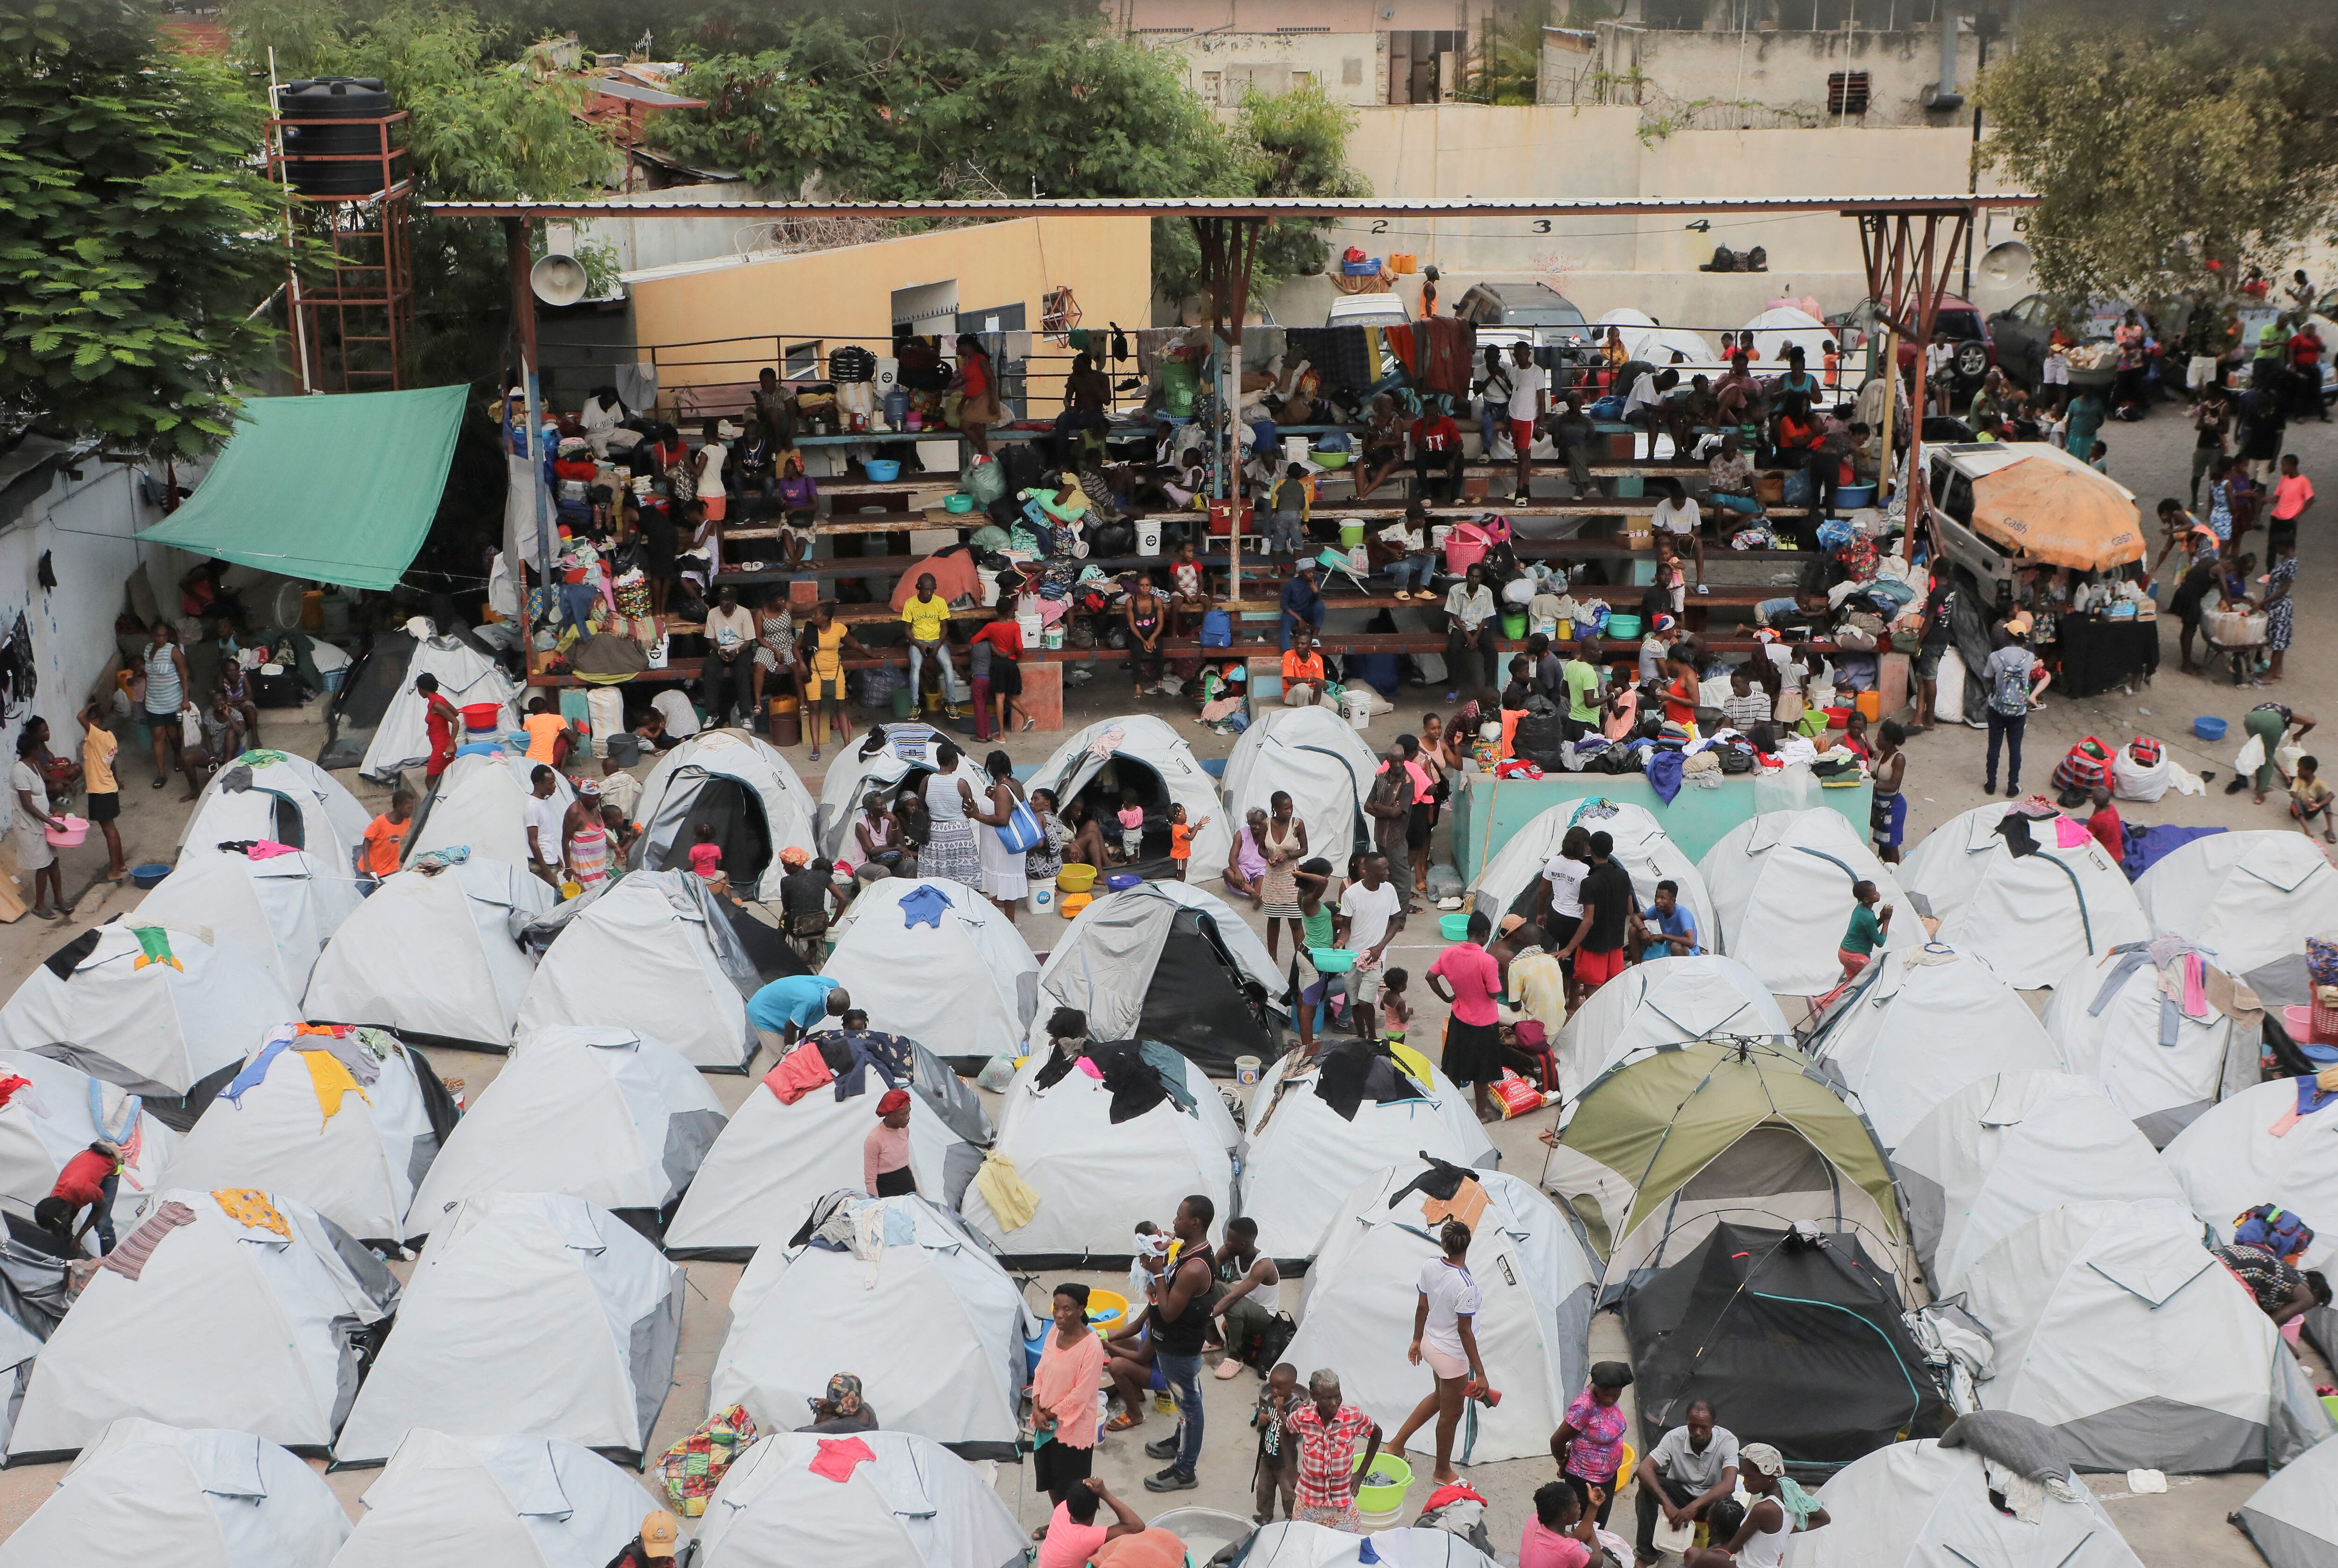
[2160, 141]
[133, 234]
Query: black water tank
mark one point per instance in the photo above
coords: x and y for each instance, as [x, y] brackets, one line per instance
[304, 146]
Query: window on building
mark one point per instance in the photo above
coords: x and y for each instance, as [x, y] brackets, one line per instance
[1413, 62]
[1683, 13]
[802, 361]
[1352, 72]
[1826, 15]
[1301, 80]
[1209, 86]
[1847, 93]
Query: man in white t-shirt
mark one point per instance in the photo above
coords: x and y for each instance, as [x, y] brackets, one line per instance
[1372, 911]
[1678, 514]
[543, 814]
[1559, 909]
[1529, 386]
[1444, 1334]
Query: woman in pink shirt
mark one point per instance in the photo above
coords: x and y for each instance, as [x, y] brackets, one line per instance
[1063, 1395]
[1562, 1533]
[885, 1152]
[1469, 978]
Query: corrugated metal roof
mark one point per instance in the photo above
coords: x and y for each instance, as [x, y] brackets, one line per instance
[1260, 207]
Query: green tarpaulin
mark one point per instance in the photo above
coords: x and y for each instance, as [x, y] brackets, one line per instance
[338, 488]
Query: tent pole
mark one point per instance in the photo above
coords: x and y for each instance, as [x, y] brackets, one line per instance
[524, 319]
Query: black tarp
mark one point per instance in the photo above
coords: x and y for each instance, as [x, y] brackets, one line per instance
[1198, 1004]
[1798, 1343]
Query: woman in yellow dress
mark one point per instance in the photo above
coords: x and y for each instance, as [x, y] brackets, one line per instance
[825, 643]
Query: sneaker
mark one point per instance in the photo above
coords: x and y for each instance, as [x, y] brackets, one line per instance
[1170, 1480]
[1165, 1448]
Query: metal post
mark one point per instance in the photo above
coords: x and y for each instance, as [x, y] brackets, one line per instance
[524, 312]
[293, 306]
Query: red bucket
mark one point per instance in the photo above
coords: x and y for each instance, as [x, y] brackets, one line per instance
[1223, 515]
[483, 716]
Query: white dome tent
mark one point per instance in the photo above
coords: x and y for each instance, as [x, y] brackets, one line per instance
[1920, 1506]
[144, 1494]
[878, 761]
[1304, 1157]
[1170, 962]
[2031, 917]
[915, 1505]
[651, 952]
[746, 789]
[2293, 1519]
[434, 955]
[158, 1012]
[773, 1160]
[2004, 1149]
[1781, 327]
[467, 675]
[935, 960]
[933, 1325]
[2250, 898]
[2233, 1159]
[51, 1117]
[1539, 1286]
[281, 910]
[590, 1359]
[1917, 1027]
[1294, 1543]
[1643, 339]
[1316, 757]
[1145, 754]
[518, 1502]
[1780, 887]
[2112, 1324]
[480, 803]
[2163, 1061]
[1664, 1002]
[284, 798]
[1095, 1178]
[346, 1125]
[603, 1114]
[243, 1318]
[1511, 882]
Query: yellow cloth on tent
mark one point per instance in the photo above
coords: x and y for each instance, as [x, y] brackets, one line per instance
[331, 1080]
[1415, 1065]
[1010, 1197]
[249, 1207]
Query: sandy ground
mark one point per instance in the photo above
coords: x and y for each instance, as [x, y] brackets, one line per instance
[2184, 1526]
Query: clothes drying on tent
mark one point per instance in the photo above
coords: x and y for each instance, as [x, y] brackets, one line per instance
[1916, 1027]
[777, 1155]
[2030, 897]
[915, 1303]
[1662, 1003]
[277, 1297]
[2005, 1148]
[2147, 844]
[597, 1112]
[50, 1112]
[2162, 1028]
[1511, 883]
[1166, 962]
[1296, 1543]
[529, 1501]
[281, 798]
[2252, 899]
[145, 1493]
[280, 910]
[480, 803]
[653, 952]
[964, 979]
[590, 1360]
[155, 1011]
[1923, 1504]
[1090, 1140]
[1537, 1286]
[892, 1498]
[467, 675]
[2111, 1324]
[2292, 1518]
[345, 1119]
[433, 955]
[1320, 760]
[1796, 1336]
[1319, 1127]
[2255, 1147]
[1780, 887]
[1661, 1149]
[1145, 756]
[747, 790]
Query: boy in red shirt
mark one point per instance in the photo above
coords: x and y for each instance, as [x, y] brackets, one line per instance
[1437, 450]
[89, 1180]
[2105, 825]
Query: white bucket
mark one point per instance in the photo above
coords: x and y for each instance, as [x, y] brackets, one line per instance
[1358, 706]
[1041, 899]
[1246, 1070]
[1295, 449]
[1148, 536]
[1436, 532]
[1386, 1520]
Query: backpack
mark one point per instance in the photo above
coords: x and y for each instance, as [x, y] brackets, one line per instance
[2276, 1229]
[1264, 1348]
[1724, 260]
[1217, 629]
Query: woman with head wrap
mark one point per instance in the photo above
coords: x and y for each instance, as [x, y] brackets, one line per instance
[841, 1408]
[885, 1153]
[1779, 1510]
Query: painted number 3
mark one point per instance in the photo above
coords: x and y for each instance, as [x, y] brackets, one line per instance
[1542, 225]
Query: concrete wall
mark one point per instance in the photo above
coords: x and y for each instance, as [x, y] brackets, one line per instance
[1775, 76]
[1342, 45]
[845, 295]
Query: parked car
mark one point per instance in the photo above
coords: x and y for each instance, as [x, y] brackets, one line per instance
[1969, 335]
[1384, 309]
[2024, 328]
[2252, 325]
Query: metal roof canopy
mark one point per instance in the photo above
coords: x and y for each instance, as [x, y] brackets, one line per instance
[1961, 203]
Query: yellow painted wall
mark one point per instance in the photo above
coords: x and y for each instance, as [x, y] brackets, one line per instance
[846, 295]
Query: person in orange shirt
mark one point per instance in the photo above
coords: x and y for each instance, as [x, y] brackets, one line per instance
[1303, 674]
[547, 733]
[1180, 840]
[385, 836]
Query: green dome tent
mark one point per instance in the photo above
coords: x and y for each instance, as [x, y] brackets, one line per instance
[1661, 1149]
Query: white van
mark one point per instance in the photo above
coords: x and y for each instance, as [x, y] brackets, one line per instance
[1368, 310]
